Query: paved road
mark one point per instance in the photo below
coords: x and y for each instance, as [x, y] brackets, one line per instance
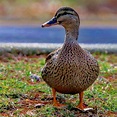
[28, 34]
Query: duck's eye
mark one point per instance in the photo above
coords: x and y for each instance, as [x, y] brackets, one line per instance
[59, 22]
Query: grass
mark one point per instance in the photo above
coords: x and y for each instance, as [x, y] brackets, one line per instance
[22, 97]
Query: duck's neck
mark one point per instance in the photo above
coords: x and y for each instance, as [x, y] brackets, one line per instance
[71, 33]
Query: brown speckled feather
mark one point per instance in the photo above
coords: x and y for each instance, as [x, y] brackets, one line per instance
[70, 73]
[70, 69]
[52, 54]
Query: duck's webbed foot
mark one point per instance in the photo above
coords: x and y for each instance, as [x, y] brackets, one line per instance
[81, 106]
[55, 102]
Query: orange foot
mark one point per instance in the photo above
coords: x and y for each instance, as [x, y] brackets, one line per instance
[55, 102]
[81, 106]
[58, 105]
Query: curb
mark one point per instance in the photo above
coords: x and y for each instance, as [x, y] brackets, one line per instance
[39, 48]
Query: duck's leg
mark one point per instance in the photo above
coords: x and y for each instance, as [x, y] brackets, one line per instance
[55, 102]
[81, 105]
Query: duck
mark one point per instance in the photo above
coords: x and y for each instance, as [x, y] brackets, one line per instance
[70, 69]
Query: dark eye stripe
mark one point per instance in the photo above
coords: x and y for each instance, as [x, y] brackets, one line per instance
[65, 13]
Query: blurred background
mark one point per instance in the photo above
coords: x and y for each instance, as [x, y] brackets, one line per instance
[40, 10]
[24, 17]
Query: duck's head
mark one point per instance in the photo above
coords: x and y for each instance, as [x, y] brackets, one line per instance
[65, 16]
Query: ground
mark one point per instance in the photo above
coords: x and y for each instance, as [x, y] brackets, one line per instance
[22, 96]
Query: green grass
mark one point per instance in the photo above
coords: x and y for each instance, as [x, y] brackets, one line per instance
[19, 96]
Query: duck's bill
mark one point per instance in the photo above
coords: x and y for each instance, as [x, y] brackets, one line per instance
[51, 22]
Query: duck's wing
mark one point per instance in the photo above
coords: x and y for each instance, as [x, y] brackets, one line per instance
[89, 54]
[52, 54]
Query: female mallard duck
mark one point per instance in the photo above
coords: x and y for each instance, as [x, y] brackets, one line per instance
[70, 69]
